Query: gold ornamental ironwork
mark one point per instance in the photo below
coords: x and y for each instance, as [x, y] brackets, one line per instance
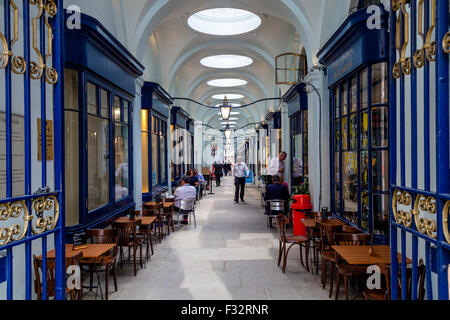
[16, 232]
[428, 49]
[18, 63]
[423, 224]
[401, 216]
[445, 222]
[40, 206]
[446, 43]
[46, 8]
[403, 65]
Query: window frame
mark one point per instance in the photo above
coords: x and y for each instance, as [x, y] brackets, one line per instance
[113, 206]
[371, 150]
[297, 127]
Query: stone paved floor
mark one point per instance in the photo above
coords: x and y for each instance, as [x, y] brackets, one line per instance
[231, 255]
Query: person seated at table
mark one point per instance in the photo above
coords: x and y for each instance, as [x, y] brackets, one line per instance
[277, 191]
[184, 191]
[201, 180]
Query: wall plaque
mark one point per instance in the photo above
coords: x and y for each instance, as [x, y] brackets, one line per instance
[48, 139]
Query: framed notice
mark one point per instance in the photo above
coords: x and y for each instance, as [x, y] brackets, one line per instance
[48, 139]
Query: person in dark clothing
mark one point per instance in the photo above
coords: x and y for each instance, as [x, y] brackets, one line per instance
[218, 172]
[277, 191]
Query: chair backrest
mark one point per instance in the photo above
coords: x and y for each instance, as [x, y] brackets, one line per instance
[327, 233]
[51, 273]
[281, 226]
[166, 200]
[125, 231]
[350, 229]
[276, 205]
[101, 236]
[316, 215]
[187, 204]
[155, 208]
[351, 239]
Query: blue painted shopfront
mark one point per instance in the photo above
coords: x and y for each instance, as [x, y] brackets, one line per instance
[179, 121]
[99, 93]
[357, 71]
[155, 114]
[297, 100]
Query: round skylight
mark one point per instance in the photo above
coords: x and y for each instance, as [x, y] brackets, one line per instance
[226, 61]
[224, 21]
[226, 83]
[230, 96]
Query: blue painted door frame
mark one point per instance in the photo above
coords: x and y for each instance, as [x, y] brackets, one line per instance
[42, 211]
[420, 213]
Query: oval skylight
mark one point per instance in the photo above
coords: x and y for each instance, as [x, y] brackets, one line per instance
[230, 96]
[227, 83]
[226, 61]
[224, 21]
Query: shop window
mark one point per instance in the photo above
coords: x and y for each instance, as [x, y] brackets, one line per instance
[360, 196]
[299, 130]
[96, 142]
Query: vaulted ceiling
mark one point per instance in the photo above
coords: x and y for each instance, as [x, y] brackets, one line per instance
[157, 32]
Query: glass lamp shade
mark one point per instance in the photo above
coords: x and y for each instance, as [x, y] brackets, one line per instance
[225, 110]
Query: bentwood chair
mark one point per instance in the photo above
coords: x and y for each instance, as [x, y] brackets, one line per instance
[284, 240]
[343, 269]
[187, 206]
[154, 210]
[145, 231]
[327, 253]
[385, 293]
[105, 263]
[167, 213]
[314, 235]
[51, 277]
[127, 236]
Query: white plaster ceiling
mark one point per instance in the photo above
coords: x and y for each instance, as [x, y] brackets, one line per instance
[156, 31]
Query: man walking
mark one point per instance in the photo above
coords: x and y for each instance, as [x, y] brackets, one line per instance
[240, 173]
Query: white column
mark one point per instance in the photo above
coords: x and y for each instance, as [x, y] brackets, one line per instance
[318, 141]
[286, 141]
[198, 145]
[137, 145]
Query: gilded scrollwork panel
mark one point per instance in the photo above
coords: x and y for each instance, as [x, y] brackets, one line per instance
[45, 214]
[425, 215]
[41, 67]
[17, 230]
[445, 221]
[402, 208]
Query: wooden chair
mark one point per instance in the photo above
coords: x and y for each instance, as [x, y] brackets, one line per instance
[127, 236]
[168, 214]
[349, 229]
[327, 253]
[385, 293]
[154, 210]
[105, 263]
[51, 277]
[342, 268]
[314, 235]
[145, 231]
[301, 241]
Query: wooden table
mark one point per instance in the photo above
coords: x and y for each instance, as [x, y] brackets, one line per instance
[145, 221]
[359, 255]
[312, 223]
[92, 251]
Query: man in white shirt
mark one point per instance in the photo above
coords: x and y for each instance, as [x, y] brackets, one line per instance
[185, 191]
[240, 173]
[276, 166]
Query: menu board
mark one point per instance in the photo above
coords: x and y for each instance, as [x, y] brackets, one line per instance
[79, 240]
[48, 139]
[18, 155]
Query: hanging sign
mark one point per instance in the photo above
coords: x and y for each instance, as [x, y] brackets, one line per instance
[48, 139]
